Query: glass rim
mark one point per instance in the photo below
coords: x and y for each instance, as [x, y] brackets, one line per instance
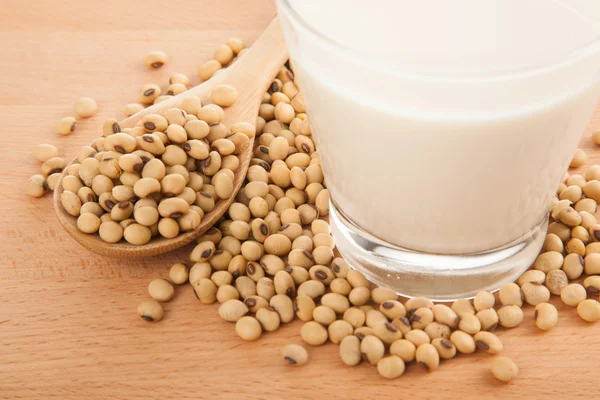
[554, 63]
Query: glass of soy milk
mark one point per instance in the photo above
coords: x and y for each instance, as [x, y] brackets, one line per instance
[444, 128]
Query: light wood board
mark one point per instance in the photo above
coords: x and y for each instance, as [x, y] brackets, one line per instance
[68, 323]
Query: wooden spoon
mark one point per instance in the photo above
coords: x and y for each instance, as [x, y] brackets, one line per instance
[251, 75]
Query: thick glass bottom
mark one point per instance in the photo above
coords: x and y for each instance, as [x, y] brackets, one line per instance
[437, 277]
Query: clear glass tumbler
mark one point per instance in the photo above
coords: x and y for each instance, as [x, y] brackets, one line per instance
[444, 128]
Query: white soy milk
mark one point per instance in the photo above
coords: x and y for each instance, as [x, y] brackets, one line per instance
[446, 125]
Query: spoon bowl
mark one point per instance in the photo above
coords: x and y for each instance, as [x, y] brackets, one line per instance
[251, 75]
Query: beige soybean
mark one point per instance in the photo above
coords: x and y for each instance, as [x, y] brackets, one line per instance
[589, 310]
[93, 208]
[321, 273]
[587, 220]
[445, 315]
[36, 186]
[224, 95]
[483, 300]
[560, 230]
[324, 315]
[355, 317]
[592, 263]
[380, 294]
[488, 342]
[553, 243]
[445, 348]
[387, 332]
[248, 328]
[314, 333]
[232, 310]
[535, 294]
[292, 231]
[221, 278]
[44, 152]
[390, 367]
[150, 311]
[592, 285]
[463, 342]
[372, 349]
[392, 309]
[545, 316]
[463, 306]
[301, 258]
[72, 183]
[205, 290]
[88, 222]
[295, 354]
[436, 330]
[427, 357]
[581, 233]
[312, 289]
[359, 296]
[227, 292]
[594, 231]
[417, 337]
[569, 217]
[268, 318]
[71, 203]
[418, 302]
[161, 290]
[340, 286]
[373, 317]
[299, 274]
[531, 276]
[336, 302]
[155, 59]
[66, 126]
[220, 260]
[363, 331]
[350, 350]
[323, 239]
[510, 294]
[338, 330]
[404, 349]
[588, 205]
[488, 319]
[52, 181]
[592, 248]
[575, 246]
[573, 294]
[510, 316]
[246, 287]
[54, 165]
[168, 227]
[357, 279]
[223, 54]
[556, 281]
[572, 193]
[284, 307]
[469, 323]
[131, 109]
[110, 232]
[208, 69]
[504, 369]
[304, 307]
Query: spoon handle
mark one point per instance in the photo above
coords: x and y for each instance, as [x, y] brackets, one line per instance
[254, 71]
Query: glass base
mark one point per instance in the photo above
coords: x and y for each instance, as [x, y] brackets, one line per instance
[437, 277]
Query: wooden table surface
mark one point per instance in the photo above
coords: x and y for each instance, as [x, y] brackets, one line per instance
[68, 323]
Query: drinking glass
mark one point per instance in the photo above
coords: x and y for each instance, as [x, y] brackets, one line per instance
[443, 128]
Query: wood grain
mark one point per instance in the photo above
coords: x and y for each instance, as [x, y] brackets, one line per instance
[68, 324]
